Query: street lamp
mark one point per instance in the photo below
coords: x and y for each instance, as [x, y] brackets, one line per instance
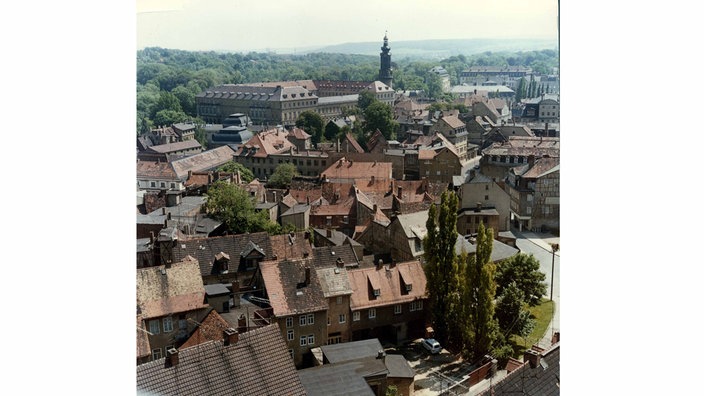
[555, 247]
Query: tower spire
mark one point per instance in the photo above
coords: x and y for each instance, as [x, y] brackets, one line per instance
[385, 72]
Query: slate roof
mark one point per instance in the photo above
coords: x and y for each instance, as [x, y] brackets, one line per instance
[205, 249]
[282, 280]
[525, 146]
[342, 379]
[209, 159]
[210, 329]
[388, 280]
[326, 256]
[178, 289]
[216, 289]
[398, 367]
[532, 381]
[345, 352]
[290, 245]
[499, 250]
[258, 364]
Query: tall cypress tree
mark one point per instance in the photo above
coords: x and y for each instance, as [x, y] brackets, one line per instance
[478, 298]
[441, 266]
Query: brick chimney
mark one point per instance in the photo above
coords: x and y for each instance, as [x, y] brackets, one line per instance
[400, 192]
[555, 337]
[533, 357]
[307, 276]
[339, 262]
[171, 358]
[242, 323]
[328, 233]
[230, 336]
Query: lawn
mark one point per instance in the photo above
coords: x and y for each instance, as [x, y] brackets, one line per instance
[542, 314]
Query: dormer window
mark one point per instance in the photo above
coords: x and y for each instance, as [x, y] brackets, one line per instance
[377, 292]
[409, 288]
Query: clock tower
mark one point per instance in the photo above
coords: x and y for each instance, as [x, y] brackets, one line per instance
[385, 72]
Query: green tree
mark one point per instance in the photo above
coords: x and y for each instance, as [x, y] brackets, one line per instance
[379, 115]
[441, 267]
[186, 98]
[166, 101]
[169, 117]
[282, 176]
[434, 83]
[232, 167]
[520, 91]
[482, 329]
[234, 206]
[512, 312]
[524, 270]
[312, 123]
[365, 99]
[332, 131]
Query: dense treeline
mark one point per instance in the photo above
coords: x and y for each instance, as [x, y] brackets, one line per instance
[162, 73]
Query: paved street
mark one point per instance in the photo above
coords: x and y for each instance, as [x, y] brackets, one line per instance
[539, 245]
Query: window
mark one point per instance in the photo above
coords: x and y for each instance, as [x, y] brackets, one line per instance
[289, 335]
[303, 340]
[342, 318]
[156, 354]
[182, 322]
[173, 185]
[486, 187]
[311, 319]
[528, 210]
[397, 309]
[289, 321]
[529, 198]
[377, 292]
[372, 313]
[162, 184]
[168, 325]
[416, 305]
[166, 348]
[152, 184]
[338, 300]
[311, 340]
[154, 326]
[302, 320]
[486, 197]
[355, 316]
[290, 352]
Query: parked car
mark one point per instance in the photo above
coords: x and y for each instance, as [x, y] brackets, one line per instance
[431, 345]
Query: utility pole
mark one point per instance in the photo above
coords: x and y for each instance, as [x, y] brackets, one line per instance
[555, 248]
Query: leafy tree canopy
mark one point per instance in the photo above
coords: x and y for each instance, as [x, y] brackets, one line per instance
[524, 270]
[379, 115]
[282, 176]
[312, 123]
[232, 167]
[169, 117]
[233, 206]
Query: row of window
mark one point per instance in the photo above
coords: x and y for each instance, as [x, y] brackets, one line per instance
[162, 185]
[303, 320]
[167, 325]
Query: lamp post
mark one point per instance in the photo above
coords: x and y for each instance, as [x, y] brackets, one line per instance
[555, 248]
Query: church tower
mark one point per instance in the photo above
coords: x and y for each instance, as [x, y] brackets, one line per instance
[385, 73]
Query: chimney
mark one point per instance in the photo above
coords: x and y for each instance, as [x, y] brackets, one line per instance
[340, 263]
[328, 233]
[307, 276]
[546, 130]
[151, 238]
[380, 354]
[372, 179]
[555, 337]
[171, 358]
[163, 210]
[242, 323]
[230, 336]
[190, 174]
[400, 192]
[379, 264]
[533, 357]
[235, 286]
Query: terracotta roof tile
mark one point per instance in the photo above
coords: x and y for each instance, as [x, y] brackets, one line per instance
[345, 170]
[388, 280]
[286, 289]
[161, 290]
[210, 329]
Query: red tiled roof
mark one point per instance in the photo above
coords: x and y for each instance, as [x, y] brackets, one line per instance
[162, 291]
[343, 169]
[156, 170]
[210, 329]
[388, 281]
[282, 280]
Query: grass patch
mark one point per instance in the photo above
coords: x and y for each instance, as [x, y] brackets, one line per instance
[542, 313]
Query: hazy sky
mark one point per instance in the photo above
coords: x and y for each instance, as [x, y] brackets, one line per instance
[242, 25]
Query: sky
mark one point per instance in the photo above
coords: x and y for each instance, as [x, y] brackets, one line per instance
[257, 25]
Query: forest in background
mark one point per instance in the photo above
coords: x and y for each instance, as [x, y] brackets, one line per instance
[169, 79]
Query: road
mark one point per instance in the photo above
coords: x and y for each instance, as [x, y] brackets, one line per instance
[536, 244]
